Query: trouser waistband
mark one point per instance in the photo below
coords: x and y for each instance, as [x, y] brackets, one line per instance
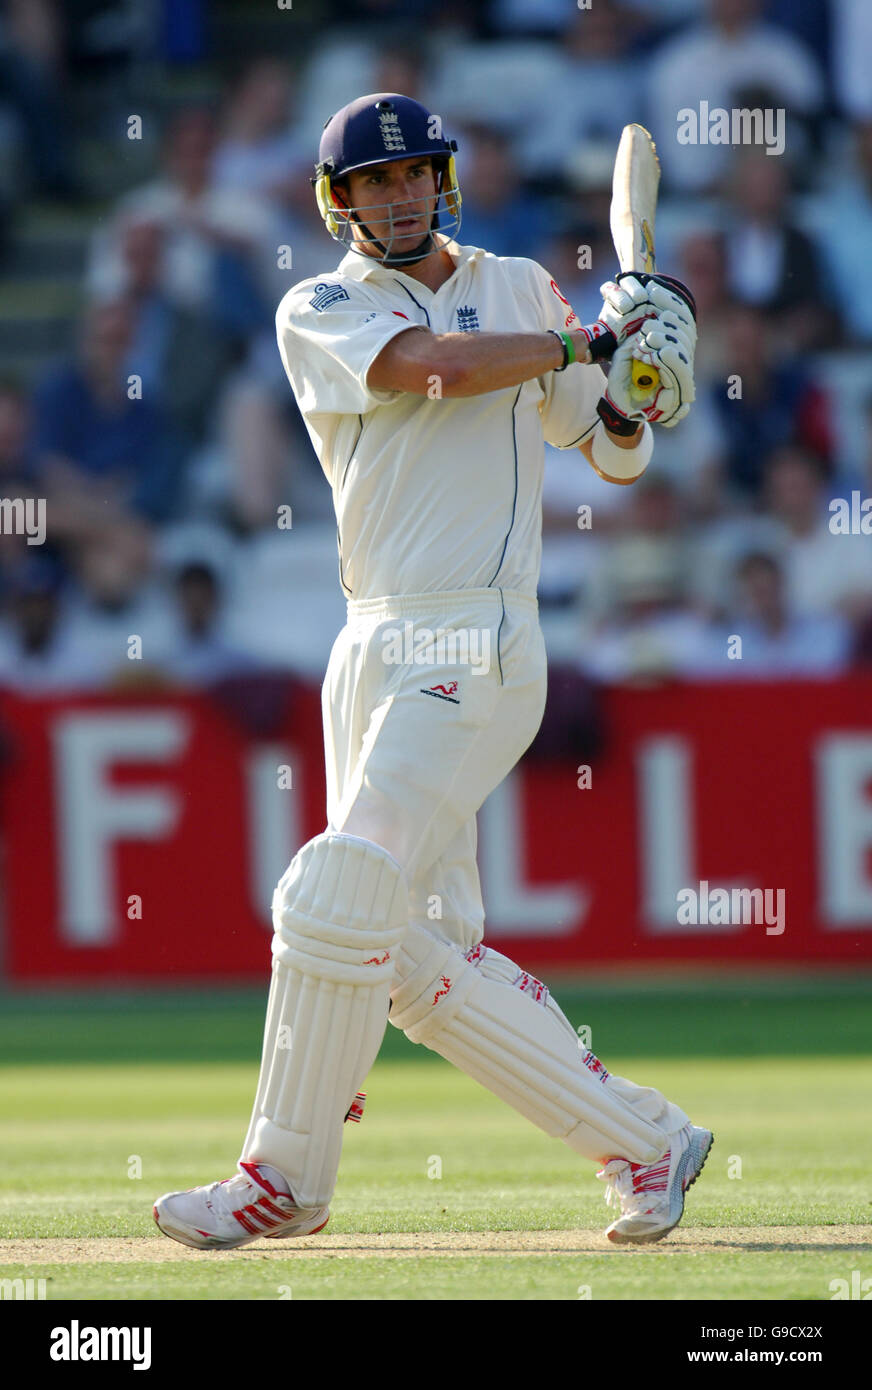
[440, 603]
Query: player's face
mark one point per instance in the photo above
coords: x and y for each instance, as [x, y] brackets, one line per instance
[402, 196]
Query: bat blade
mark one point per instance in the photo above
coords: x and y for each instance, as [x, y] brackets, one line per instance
[634, 199]
[633, 209]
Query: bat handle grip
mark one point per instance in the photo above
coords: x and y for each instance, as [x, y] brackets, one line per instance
[645, 379]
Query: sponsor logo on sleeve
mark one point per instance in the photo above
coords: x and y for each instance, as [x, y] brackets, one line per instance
[327, 294]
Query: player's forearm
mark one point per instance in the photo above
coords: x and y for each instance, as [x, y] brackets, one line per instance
[463, 364]
[471, 364]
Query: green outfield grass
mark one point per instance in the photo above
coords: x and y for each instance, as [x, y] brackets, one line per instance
[105, 1104]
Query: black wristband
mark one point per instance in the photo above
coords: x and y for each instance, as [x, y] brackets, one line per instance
[604, 346]
[614, 420]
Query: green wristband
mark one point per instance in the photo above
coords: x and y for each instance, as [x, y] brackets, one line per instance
[568, 349]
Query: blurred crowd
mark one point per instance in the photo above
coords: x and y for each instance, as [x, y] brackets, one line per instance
[184, 504]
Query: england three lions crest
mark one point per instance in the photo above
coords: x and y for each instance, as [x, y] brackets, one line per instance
[467, 319]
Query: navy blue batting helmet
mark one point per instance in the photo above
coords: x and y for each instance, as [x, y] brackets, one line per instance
[377, 129]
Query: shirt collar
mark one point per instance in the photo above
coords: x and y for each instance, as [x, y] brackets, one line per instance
[358, 267]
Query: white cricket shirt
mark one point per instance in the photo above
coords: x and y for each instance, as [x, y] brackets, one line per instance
[431, 494]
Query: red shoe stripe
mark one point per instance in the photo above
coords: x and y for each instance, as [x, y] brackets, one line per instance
[246, 1224]
[256, 1214]
[276, 1211]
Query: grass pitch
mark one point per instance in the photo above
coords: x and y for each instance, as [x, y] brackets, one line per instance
[444, 1193]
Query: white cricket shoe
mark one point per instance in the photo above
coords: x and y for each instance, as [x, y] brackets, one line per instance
[236, 1211]
[652, 1194]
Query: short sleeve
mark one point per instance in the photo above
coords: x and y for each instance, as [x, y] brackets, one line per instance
[569, 409]
[329, 334]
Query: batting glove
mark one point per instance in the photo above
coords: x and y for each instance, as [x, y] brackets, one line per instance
[665, 345]
[671, 352]
[675, 305]
[629, 302]
[626, 305]
[635, 296]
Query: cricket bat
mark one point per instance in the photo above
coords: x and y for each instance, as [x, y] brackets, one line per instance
[634, 204]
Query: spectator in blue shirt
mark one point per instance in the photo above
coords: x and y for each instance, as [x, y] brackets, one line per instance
[779, 403]
[104, 449]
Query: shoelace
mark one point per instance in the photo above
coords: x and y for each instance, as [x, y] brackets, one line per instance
[252, 1207]
[618, 1174]
[627, 1180]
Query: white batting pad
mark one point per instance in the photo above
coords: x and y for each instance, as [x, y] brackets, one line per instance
[339, 914]
[498, 1024]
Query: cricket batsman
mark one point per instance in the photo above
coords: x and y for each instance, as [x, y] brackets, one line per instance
[428, 374]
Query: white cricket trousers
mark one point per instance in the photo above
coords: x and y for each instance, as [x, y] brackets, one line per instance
[429, 701]
[413, 748]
